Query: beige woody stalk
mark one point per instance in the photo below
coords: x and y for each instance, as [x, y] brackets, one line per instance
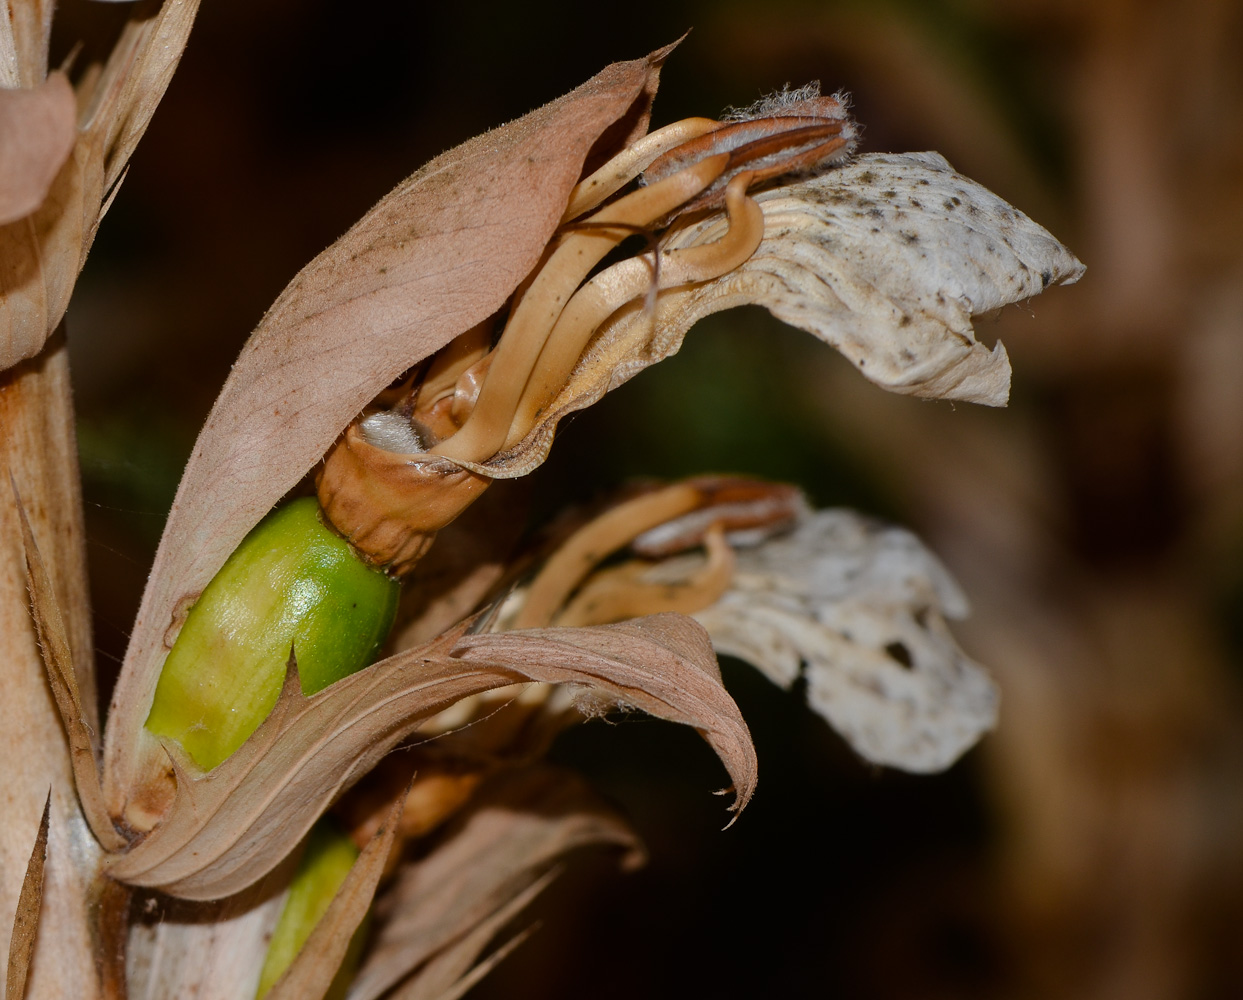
[39, 453]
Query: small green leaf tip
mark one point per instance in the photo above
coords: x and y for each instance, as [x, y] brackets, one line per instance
[292, 584]
[325, 863]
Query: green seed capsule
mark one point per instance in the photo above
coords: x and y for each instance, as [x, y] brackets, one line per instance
[292, 583]
[328, 857]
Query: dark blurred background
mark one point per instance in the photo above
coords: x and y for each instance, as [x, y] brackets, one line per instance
[1093, 846]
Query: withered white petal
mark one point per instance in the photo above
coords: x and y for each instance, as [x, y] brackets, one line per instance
[863, 606]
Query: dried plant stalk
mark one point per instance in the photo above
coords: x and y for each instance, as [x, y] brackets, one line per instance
[37, 444]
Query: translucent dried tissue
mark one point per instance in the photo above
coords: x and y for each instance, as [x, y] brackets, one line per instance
[859, 610]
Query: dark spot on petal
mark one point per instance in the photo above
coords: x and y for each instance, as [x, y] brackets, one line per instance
[898, 652]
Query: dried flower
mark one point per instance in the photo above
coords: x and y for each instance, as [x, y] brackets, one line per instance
[885, 257]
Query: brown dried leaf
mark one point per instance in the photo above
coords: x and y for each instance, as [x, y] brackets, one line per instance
[442, 910]
[311, 973]
[437, 255]
[37, 130]
[41, 255]
[26, 919]
[57, 658]
[228, 827]
[859, 609]
[886, 258]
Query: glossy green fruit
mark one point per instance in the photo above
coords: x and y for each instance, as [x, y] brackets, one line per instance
[328, 857]
[291, 584]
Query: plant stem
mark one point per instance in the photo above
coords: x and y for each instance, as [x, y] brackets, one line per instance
[38, 447]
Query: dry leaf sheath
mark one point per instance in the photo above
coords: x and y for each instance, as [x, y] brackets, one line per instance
[430, 351]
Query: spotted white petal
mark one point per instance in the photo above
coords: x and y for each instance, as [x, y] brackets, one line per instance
[859, 610]
[887, 259]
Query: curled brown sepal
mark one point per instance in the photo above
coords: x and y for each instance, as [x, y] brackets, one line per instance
[390, 506]
[658, 664]
[435, 257]
[230, 826]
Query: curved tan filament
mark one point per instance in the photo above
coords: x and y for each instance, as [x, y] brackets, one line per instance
[450, 362]
[613, 288]
[437, 411]
[632, 161]
[596, 541]
[519, 348]
[613, 595]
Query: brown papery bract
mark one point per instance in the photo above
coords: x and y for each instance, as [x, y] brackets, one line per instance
[488, 865]
[36, 135]
[229, 827]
